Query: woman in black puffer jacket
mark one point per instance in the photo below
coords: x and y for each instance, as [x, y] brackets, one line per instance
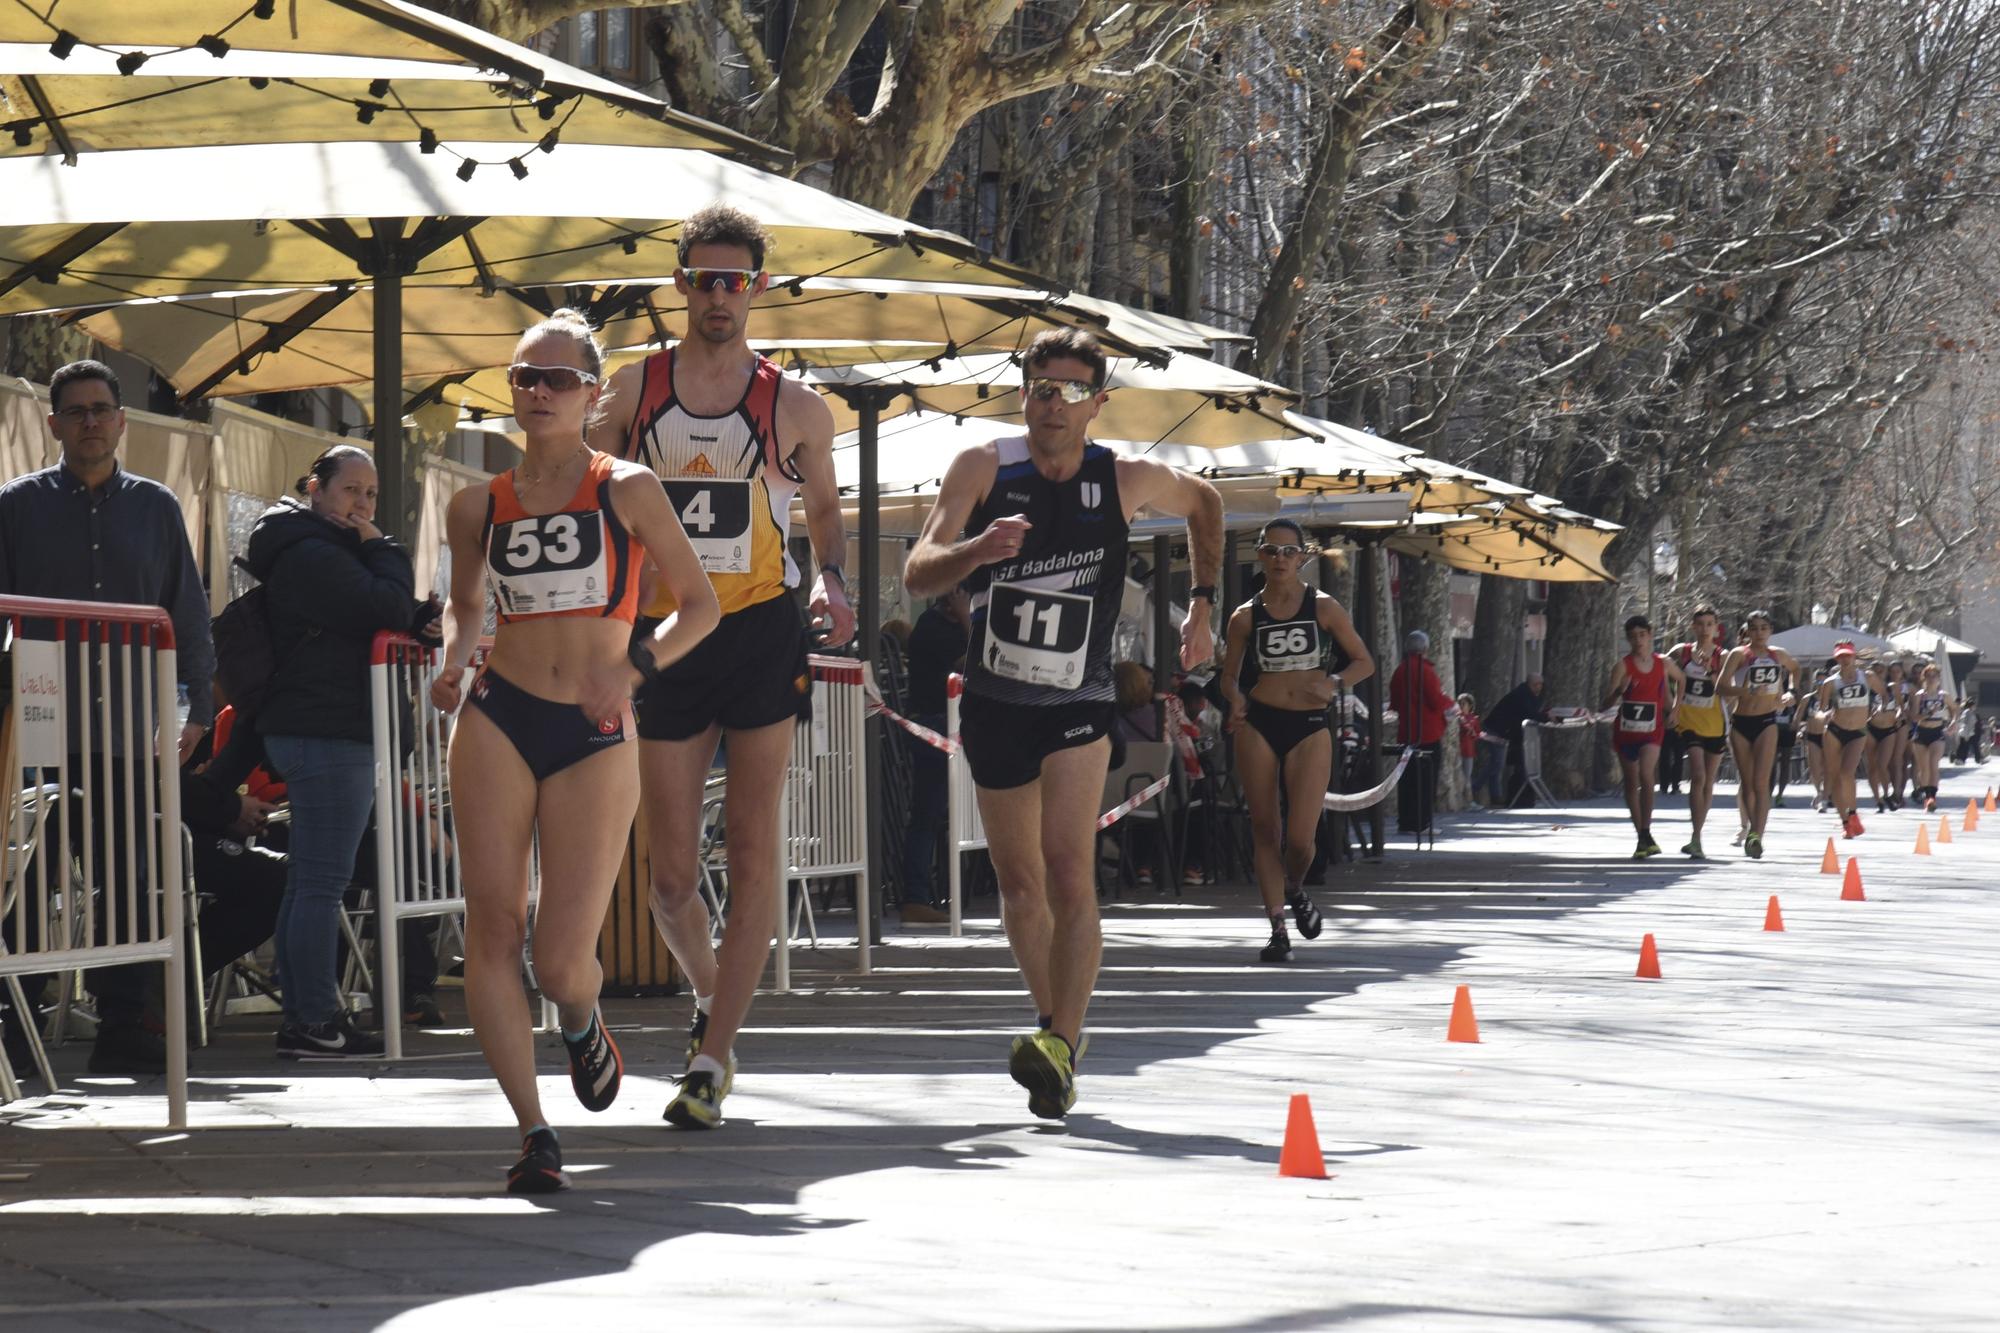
[333, 581]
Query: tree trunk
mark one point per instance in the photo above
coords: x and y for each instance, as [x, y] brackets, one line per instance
[1576, 662]
[1496, 635]
[1194, 161]
[1427, 606]
[37, 344]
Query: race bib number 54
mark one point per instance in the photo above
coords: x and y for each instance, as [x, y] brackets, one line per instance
[1036, 636]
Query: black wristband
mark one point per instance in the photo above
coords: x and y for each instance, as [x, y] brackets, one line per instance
[640, 654]
[830, 568]
[1205, 591]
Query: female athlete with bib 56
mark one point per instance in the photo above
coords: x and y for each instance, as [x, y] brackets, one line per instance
[1935, 712]
[1306, 652]
[1757, 679]
[542, 747]
[1639, 685]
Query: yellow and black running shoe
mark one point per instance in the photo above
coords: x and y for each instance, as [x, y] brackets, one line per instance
[1041, 1062]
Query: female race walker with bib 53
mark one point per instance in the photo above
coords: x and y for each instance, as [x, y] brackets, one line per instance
[542, 747]
[1305, 652]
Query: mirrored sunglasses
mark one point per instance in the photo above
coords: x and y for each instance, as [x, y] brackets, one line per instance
[1274, 550]
[734, 281]
[1070, 391]
[560, 379]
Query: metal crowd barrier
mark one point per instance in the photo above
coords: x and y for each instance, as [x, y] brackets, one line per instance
[93, 680]
[823, 826]
[963, 830]
[416, 861]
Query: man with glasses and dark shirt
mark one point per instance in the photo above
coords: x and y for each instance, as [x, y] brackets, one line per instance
[87, 530]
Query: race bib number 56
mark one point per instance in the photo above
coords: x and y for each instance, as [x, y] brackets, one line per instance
[1036, 636]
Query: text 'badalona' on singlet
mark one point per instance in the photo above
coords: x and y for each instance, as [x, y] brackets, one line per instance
[1043, 621]
[725, 480]
[577, 561]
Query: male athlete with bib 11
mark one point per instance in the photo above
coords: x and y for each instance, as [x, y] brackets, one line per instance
[1044, 518]
[732, 440]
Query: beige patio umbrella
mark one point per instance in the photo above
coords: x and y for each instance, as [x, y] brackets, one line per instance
[80, 79]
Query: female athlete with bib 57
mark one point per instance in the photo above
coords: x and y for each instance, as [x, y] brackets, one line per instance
[1639, 685]
[1306, 652]
[1847, 695]
[541, 750]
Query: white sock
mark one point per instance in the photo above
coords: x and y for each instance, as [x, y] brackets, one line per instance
[706, 1064]
[702, 1002]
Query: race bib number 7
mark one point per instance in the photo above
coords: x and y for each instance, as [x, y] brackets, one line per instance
[1036, 636]
[715, 514]
[1637, 716]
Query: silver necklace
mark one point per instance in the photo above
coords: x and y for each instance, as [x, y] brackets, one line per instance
[534, 478]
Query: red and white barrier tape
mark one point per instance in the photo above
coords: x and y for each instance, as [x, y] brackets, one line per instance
[1118, 812]
[936, 740]
[1348, 802]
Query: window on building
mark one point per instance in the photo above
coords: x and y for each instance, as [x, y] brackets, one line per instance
[619, 56]
[586, 33]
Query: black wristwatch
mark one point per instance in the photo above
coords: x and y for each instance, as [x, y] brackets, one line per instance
[640, 654]
[836, 571]
[1205, 591]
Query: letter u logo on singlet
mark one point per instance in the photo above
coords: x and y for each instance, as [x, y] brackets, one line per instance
[1093, 494]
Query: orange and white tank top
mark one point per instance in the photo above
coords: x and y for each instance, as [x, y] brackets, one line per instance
[577, 561]
[725, 480]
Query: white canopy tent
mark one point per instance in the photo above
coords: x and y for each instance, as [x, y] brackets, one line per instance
[1814, 643]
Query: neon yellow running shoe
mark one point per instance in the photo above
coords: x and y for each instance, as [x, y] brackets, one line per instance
[1040, 1061]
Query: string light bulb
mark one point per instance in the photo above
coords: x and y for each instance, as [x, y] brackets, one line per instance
[466, 168]
[64, 43]
[427, 141]
[213, 44]
[128, 64]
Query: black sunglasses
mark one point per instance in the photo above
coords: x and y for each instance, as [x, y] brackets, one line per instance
[560, 379]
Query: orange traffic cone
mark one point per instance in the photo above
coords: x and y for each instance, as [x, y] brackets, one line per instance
[1773, 918]
[1923, 840]
[1991, 807]
[1944, 828]
[1850, 887]
[1971, 821]
[1649, 959]
[1830, 863]
[1464, 1027]
[1301, 1155]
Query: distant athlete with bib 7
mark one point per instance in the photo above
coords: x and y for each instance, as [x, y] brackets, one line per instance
[732, 440]
[1045, 518]
[1645, 710]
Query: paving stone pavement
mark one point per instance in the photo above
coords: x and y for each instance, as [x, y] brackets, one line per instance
[1787, 1131]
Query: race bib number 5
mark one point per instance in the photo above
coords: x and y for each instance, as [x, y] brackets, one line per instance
[1036, 636]
[715, 513]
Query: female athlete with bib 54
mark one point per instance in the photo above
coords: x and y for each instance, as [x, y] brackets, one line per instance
[542, 747]
[1306, 652]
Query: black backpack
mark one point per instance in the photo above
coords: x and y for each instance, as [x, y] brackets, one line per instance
[246, 659]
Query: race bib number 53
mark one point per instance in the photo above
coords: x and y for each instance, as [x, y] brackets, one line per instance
[1036, 636]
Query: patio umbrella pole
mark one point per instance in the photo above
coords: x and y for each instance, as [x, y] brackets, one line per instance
[391, 500]
[1367, 616]
[868, 632]
[1164, 657]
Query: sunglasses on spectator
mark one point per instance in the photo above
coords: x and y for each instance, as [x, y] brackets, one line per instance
[560, 379]
[1041, 388]
[1273, 549]
[76, 416]
[734, 281]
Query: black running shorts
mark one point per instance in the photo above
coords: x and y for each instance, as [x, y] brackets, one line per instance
[1006, 743]
[750, 672]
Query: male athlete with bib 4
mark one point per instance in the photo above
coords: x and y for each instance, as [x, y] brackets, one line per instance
[1045, 518]
[732, 441]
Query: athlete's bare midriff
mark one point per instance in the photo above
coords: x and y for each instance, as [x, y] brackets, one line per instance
[550, 657]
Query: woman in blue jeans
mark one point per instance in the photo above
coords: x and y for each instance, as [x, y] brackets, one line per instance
[333, 581]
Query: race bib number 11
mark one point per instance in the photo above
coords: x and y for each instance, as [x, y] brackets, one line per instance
[1036, 636]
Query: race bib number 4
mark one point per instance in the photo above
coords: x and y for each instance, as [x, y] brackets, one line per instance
[548, 562]
[1036, 636]
[1637, 716]
[1290, 647]
[715, 513]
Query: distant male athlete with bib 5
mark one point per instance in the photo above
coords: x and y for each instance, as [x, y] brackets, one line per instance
[1045, 518]
[732, 441]
[1702, 723]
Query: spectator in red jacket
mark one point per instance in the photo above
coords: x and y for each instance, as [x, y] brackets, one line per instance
[1422, 709]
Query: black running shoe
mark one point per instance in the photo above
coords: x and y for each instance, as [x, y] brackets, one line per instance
[338, 1040]
[1279, 950]
[1305, 914]
[595, 1067]
[540, 1169]
[697, 1029]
